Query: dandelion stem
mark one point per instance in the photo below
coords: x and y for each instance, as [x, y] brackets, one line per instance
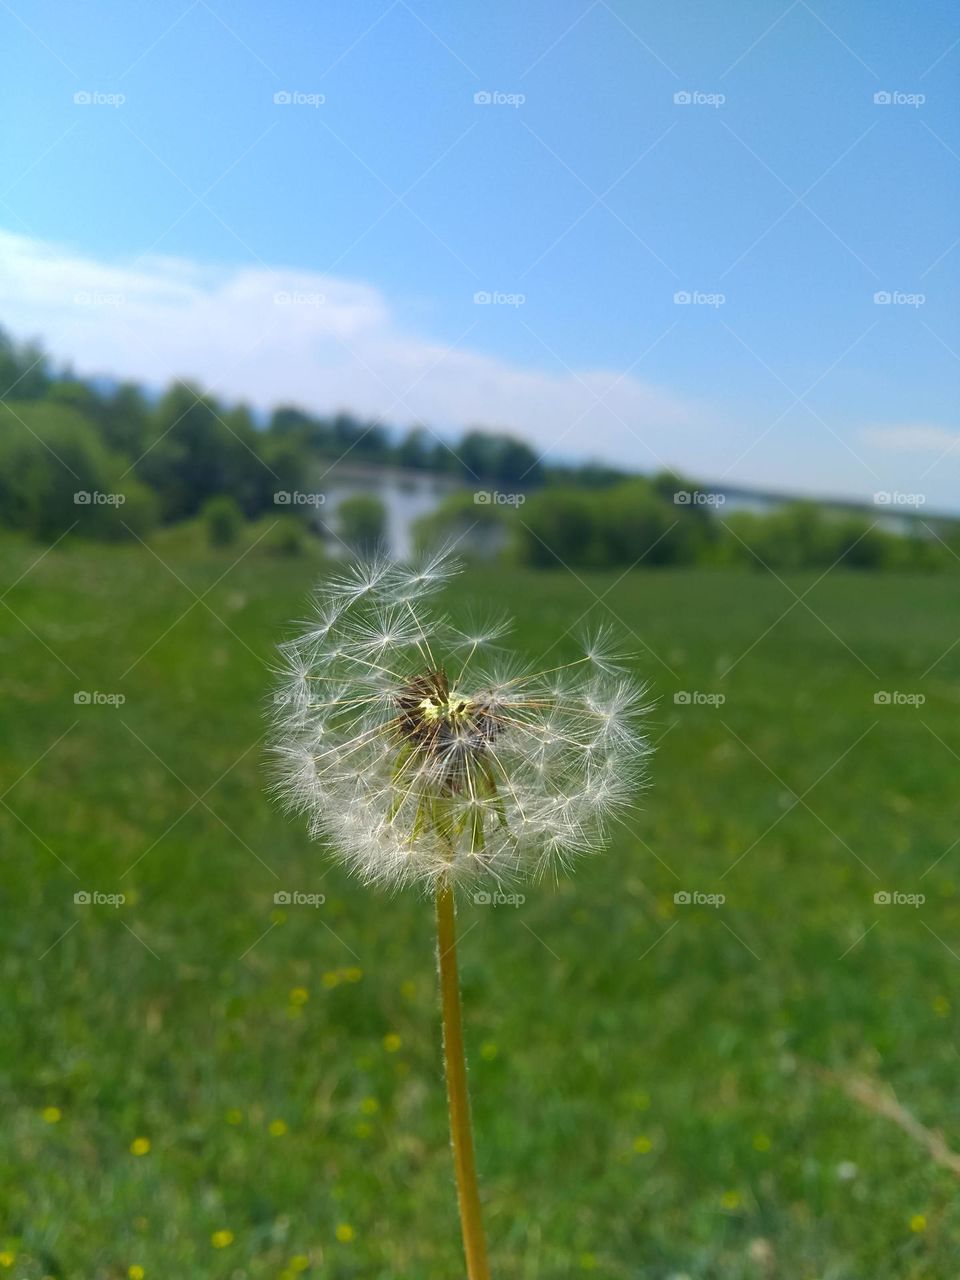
[456, 1067]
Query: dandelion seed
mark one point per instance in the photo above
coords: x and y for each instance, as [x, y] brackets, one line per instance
[424, 757]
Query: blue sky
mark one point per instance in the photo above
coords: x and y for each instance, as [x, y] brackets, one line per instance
[782, 198]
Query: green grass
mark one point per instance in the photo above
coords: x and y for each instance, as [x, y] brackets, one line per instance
[646, 1076]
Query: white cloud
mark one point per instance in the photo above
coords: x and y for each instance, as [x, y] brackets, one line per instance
[911, 438]
[279, 335]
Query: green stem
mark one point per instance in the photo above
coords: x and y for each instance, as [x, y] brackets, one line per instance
[456, 1067]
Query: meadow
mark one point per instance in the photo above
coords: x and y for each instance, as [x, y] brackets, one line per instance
[204, 1083]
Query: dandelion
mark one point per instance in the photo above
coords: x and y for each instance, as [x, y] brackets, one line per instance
[221, 1239]
[423, 755]
[140, 1146]
[345, 1233]
[278, 1128]
[52, 1115]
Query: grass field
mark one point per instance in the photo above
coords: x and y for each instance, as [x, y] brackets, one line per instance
[660, 1089]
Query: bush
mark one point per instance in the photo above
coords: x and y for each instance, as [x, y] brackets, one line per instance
[223, 519]
[288, 537]
[480, 529]
[362, 523]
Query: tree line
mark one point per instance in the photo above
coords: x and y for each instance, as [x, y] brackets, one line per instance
[112, 461]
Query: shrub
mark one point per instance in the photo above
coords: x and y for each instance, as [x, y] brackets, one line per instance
[223, 519]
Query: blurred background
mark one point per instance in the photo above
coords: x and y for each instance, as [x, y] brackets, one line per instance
[648, 311]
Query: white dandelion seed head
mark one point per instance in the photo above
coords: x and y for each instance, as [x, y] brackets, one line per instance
[420, 752]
